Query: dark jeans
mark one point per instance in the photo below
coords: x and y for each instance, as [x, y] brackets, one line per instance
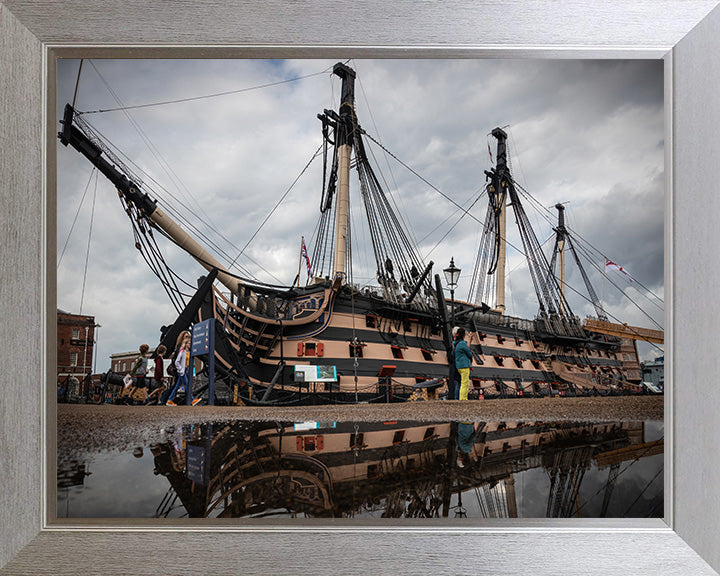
[181, 381]
[453, 384]
[453, 389]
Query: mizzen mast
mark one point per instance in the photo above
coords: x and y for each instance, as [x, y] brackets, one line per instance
[561, 234]
[499, 200]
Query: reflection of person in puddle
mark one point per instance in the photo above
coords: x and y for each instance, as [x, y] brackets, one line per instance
[466, 435]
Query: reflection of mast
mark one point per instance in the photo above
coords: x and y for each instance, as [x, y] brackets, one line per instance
[497, 499]
[609, 487]
[510, 496]
[567, 471]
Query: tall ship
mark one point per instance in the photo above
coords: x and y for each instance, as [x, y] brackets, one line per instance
[334, 341]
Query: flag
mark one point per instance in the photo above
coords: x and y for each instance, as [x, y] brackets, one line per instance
[307, 258]
[609, 264]
[490, 152]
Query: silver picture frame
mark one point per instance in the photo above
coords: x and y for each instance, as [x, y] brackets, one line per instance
[682, 32]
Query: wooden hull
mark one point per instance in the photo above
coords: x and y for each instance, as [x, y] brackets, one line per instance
[381, 352]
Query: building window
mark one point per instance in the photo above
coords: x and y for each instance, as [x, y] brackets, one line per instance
[73, 358]
[396, 352]
[399, 436]
[75, 333]
[356, 350]
[426, 354]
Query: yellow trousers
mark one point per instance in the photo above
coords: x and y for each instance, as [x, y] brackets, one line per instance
[464, 383]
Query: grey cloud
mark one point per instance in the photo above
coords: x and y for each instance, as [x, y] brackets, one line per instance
[586, 131]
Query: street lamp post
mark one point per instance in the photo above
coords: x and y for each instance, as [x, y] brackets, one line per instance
[452, 275]
[96, 336]
[85, 374]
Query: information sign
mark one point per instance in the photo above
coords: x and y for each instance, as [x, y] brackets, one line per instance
[305, 373]
[201, 338]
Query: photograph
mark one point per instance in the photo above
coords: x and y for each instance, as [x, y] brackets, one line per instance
[493, 222]
[294, 233]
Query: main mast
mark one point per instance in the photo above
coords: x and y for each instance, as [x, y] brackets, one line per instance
[500, 185]
[345, 144]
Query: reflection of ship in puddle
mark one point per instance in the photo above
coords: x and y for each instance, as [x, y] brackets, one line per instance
[388, 469]
[72, 473]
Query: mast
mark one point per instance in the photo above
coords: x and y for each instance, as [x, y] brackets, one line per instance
[561, 252]
[501, 194]
[345, 144]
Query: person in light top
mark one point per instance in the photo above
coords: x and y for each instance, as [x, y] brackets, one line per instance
[182, 366]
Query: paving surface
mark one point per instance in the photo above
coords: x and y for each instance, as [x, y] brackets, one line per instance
[90, 428]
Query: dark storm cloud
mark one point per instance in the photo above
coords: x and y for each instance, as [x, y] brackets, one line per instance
[587, 132]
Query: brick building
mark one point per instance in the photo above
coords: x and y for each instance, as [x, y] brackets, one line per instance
[75, 349]
[122, 362]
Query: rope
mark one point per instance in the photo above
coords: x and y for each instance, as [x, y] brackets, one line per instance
[203, 97]
[277, 205]
[87, 252]
[77, 83]
[77, 212]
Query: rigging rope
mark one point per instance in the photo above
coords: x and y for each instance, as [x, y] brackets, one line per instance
[82, 200]
[203, 97]
[87, 253]
[173, 177]
[277, 205]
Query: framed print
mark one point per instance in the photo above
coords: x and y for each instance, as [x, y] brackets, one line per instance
[683, 33]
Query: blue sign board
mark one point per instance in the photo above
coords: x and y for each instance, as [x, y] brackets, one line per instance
[201, 338]
[203, 343]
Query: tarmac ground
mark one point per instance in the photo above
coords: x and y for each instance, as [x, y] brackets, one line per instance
[90, 427]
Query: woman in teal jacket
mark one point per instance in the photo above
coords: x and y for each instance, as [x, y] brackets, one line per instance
[463, 361]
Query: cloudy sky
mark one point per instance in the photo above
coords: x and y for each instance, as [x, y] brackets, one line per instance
[588, 133]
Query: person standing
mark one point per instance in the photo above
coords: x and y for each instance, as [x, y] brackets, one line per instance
[137, 373]
[182, 366]
[463, 361]
[172, 371]
[158, 376]
[454, 376]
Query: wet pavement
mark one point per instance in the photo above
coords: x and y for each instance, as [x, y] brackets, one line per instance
[95, 427]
